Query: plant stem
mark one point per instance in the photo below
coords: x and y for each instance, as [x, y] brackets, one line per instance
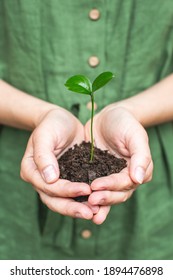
[92, 138]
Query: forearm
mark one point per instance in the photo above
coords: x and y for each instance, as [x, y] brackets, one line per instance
[154, 105]
[19, 109]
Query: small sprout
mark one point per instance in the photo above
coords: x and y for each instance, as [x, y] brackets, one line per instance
[81, 84]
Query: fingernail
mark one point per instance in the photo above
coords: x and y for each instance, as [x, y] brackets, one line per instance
[139, 174]
[49, 174]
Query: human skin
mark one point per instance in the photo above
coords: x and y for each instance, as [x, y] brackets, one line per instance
[119, 128]
[41, 169]
[119, 132]
[54, 130]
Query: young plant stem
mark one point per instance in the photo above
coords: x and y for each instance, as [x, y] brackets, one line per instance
[81, 84]
[92, 137]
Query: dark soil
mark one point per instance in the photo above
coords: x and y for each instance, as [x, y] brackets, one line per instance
[75, 165]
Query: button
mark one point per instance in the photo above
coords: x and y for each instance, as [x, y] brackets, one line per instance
[94, 14]
[89, 106]
[93, 61]
[86, 233]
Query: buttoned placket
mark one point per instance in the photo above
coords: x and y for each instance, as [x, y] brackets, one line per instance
[93, 60]
[87, 236]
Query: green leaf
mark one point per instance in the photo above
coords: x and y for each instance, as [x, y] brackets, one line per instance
[102, 80]
[79, 84]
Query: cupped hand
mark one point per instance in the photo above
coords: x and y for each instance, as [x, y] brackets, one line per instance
[117, 130]
[56, 131]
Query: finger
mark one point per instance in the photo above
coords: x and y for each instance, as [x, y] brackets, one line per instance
[63, 188]
[109, 198]
[67, 207]
[114, 182]
[101, 216]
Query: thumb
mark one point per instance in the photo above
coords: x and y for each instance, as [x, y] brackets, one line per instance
[138, 169]
[140, 158]
[45, 159]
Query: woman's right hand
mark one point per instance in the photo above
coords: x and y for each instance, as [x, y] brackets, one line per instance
[56, 131]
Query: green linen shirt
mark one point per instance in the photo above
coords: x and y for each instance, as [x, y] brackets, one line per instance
[44, 42]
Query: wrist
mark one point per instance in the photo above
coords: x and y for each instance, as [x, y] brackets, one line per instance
[43, 109]
[133, 106]
[19, 109]
[153, 106]
[124, 105]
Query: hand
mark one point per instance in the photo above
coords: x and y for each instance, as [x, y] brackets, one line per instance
[116, 130]
[57, 131]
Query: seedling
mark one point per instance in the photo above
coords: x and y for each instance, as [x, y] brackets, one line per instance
[81, 84]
